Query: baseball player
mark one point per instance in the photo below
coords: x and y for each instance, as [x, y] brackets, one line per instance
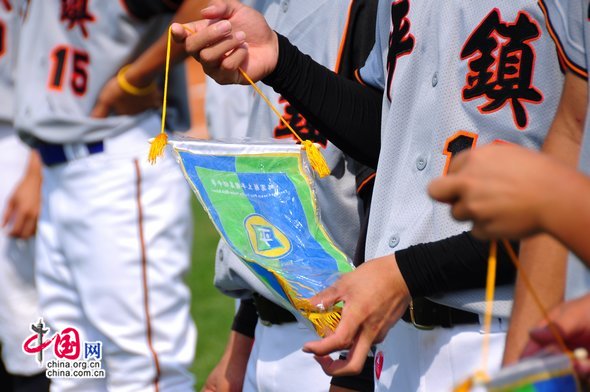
[19, 206]
[114, 232]
[540, 203]
[447, 86]
[273, 361]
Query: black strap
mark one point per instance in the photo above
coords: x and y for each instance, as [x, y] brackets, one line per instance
[271, 313]
[427, 314]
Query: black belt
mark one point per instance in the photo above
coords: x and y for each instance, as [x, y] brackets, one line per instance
[55, 154]
[425, 314]
[271, 313]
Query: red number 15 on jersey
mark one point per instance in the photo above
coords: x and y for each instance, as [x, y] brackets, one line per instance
[63, 57]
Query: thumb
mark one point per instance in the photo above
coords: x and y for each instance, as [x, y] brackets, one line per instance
[220, 9]
[444, 189]
[181, 31]
[101, 110]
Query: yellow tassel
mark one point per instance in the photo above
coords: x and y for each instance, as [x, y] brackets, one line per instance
[316, 159]
[157, 147]
[323, 321]
[160, 141]
[478, 378]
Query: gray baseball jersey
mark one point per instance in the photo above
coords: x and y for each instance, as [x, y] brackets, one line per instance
[63, 55]
[456, 75]
[317, 28]
[8, 44]
[570, 24]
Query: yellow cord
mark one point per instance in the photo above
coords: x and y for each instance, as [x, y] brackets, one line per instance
[314, 155]
[160, 141]
[490, 288]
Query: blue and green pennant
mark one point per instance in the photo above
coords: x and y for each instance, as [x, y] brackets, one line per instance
[553, 373]
[260, 199]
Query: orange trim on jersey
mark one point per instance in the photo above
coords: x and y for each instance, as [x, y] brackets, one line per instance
[2, 38]
[455, 136]
[365, 182]
[343, 39]
[55, 60]
[145, 278]
[358, 77]
[564, 59]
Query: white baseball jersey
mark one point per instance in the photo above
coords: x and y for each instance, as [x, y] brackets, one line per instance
[18, 295]
[570, 23]
[457, 74]
[8, 45]
[67, 60]
[114, 235]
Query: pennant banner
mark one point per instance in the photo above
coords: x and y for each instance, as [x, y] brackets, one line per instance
[260, 199]
[553, 373]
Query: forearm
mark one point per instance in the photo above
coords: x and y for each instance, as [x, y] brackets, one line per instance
[543, 258]
[451, 264]
[569, 216]
[143, 70]
[346, 112]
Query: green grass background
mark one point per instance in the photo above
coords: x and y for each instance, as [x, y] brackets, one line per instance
[211, 310]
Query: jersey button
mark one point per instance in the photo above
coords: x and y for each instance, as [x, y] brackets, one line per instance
[435, 79]
[421, 163]
[393, 241]
[285, 5]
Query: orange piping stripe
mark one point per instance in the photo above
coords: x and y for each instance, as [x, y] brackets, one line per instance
[144, 279]
[562, 55]
[365, 182]
[343, 40]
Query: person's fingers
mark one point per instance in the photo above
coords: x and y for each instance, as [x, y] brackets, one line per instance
[543, 335]
[354, 362]
[208, 37]
[479, 231]
[445, 189]
[461, 211]
[17, 225]
[583, 369]
[342, 338]
[101, 110]
[214, 55]
[180, 32]
[235, 59]
[220, 9]
[8, 212]
[29, 227]
[327, 297]
[459, 161]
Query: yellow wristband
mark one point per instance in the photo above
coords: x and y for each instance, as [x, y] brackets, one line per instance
[131, 89]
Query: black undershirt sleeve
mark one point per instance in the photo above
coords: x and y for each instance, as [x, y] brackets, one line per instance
[346, 112]
[245, 318]
[145, 9]
[455, 263]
